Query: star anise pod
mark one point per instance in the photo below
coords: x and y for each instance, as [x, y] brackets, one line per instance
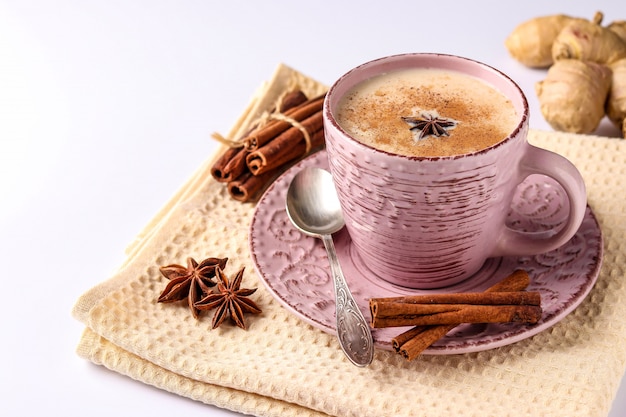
[190, 283]
[230, 300]
[430, 125]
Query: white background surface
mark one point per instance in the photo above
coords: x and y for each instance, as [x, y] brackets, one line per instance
[106, 108]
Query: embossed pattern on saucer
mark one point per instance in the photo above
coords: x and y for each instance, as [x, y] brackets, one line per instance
[294, 267]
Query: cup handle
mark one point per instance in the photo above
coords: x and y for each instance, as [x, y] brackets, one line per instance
[541, 161]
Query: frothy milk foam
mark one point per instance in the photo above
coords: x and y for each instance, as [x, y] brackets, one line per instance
[372, 112]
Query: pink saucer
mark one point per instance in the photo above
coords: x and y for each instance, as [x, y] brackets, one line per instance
[295, 270]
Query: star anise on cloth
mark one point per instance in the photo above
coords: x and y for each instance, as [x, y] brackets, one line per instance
[191, 282]
[430, 124]
[230, 300]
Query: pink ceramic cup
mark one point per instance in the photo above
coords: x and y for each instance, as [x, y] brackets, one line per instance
[431, 222]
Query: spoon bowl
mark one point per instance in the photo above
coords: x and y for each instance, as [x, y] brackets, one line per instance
[313, 207]
[312, 203]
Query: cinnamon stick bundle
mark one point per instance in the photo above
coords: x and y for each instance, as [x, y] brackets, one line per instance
[274, 142]
[232, 163]
[411, 343]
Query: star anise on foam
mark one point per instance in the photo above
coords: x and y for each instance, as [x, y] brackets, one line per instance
[230, 300]
[190, 283]
[430, 125]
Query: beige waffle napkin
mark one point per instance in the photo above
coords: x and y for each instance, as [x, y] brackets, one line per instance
[283, 367]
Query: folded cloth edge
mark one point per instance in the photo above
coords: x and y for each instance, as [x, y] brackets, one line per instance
[100, 351]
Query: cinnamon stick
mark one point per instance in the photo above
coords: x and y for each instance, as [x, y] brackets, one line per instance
[406, 303]
[414, 341]
[247, 186]
[390, 312]
[231, 165]
[291, 100]
[218, 170]
[436, 314]
[517, 281]
[275, 127]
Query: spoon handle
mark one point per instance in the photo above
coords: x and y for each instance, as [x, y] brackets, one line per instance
[353, 331]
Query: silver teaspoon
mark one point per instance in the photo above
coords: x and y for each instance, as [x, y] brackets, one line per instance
[313, 207]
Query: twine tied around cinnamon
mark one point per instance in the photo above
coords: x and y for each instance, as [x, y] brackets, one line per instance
[297, 125]
[228, 142]
[263, 121]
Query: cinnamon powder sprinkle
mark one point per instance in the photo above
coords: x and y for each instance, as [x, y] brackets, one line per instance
[373, 112]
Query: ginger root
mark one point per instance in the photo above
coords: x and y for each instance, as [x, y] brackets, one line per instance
[588, 41]
[585, 59]
[573, 95]
[616, 103]
[531, 42]
[619, 27]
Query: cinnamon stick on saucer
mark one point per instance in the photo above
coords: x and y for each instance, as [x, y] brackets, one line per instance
[463, 313]
[414, 341]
